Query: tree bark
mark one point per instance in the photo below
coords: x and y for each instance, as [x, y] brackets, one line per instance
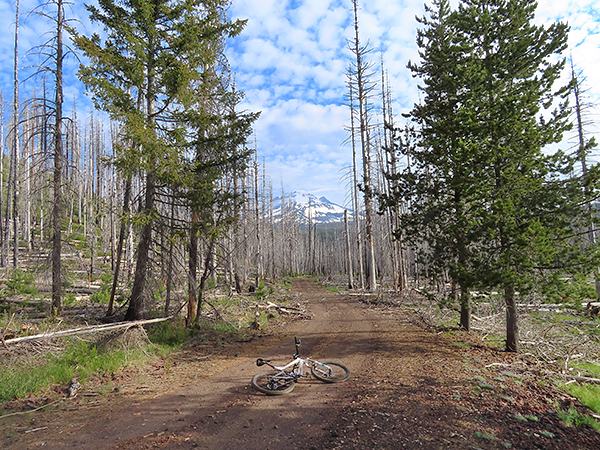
[57, 210]
[512, 329]
[192, 270]
[349, 252]
[136, 301]
[465, 309]
[208, 268]
[126, 200]
[15, 158]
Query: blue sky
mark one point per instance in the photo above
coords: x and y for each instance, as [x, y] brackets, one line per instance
[291, 61]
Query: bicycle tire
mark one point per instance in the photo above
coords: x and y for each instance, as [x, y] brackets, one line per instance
[268, 383]
[337, 373]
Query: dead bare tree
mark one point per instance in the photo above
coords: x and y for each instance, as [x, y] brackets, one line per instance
[583, 149]
[3, 253]
[15, 140]
[364, 87]
[354, 184]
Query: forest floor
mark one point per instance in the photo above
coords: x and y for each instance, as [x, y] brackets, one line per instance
[410, 387]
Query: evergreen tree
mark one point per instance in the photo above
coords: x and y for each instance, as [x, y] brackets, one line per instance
[156, 51]
[439, 180]
[497, 208]
[216, 148]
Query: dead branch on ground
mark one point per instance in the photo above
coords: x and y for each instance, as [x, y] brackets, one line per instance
[84, 330]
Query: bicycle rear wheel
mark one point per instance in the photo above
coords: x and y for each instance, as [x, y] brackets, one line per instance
[330, 372]
[273, 383]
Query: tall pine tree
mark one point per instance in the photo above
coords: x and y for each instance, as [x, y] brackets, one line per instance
[440, 181]
[498, 209]
[145, 73]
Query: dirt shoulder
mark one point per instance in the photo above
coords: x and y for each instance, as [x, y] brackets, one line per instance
[409, 388]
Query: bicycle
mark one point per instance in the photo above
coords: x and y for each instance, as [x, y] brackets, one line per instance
[284, 379]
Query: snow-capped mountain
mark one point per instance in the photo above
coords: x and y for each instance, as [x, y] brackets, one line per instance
[304, 204]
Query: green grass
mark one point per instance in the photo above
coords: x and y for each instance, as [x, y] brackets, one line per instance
[174, 334]
[460, 344]
[484, 435]
[22, 283]
[169, 334]
[589, 395]
[80, 359]
[261, 292]
[103, 295]
[573, 417]
[263, 319]
[589, 369]
[285, 284]
[85, 360]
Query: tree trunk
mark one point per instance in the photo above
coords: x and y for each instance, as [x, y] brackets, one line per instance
[170, 264]
[357, 226]
[126, 200]
[259, 256]
[349, 252]
[205, 274]
[57, 210]
[465, 309]
[192, 270]
[15, 158]
[2, 235]
[512, 330]
[366, 158]
[136, 301]
[28, 152]
[582, 154]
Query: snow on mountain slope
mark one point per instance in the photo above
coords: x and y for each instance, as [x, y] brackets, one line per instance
[304, 204]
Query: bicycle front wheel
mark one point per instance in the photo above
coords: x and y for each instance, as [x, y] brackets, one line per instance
[273, 383]
[329, 371]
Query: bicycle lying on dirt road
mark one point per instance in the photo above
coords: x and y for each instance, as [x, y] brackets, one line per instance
[285, 377]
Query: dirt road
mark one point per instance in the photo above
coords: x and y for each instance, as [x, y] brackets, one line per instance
[409, 388]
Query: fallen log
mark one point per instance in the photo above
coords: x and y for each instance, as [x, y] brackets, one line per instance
[17, 301]
[584, 379]
[282, 309]
[289, 310]
[84, 330]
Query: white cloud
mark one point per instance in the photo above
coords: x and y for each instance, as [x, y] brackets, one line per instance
[309, 13]
[291, 62]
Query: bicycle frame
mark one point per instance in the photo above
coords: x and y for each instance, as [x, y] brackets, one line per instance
[296, 366]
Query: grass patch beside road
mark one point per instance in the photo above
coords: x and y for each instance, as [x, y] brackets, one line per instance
[78, 359]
